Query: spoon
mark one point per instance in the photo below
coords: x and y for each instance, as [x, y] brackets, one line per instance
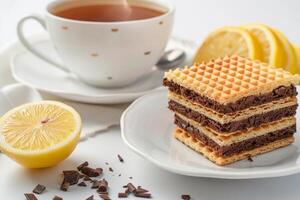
[171, 58]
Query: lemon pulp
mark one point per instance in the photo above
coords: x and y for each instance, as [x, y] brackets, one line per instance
[39, 134]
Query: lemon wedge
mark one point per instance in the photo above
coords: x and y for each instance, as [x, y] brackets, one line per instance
[40, 134]
[228, 41]
[271, 52]
[289, 56]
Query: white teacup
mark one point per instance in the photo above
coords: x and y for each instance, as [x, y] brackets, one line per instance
[107, 54]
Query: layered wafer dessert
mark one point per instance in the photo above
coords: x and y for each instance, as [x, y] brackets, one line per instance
[232, 108]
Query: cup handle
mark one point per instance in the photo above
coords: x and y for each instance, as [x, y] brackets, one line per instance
[26, 43]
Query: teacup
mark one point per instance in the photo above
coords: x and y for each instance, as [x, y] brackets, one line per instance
[105, 53]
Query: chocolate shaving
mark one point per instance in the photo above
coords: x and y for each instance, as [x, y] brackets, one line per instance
[130, 177]
[103, 186]
[71, 176]
[143, 195]
[120, 158]
[30, 196]
[122, 195]
[82, 184]
[90, 198]
[131, 188]
[39, 189]
[185, 197]
[141, 190]
[91, 172]
[85, 164]
[104, 197]
[64, 186]
[106, 163]
[110, 169]
[57, 198]
[127, 191]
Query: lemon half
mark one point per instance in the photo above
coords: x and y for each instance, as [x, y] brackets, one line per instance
[40, 134]
[228, 41]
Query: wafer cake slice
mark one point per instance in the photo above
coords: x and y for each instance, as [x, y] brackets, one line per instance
[233, 106]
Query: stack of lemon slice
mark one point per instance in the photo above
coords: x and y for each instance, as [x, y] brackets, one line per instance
[255, 41]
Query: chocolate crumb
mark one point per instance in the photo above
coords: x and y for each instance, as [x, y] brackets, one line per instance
[106, 163]
[71, 176]
[119, 175]
[82, 184]
[64, 186]
[143, 195]
[185, 197]
[250, 159]
[85, 164]
[30, 196]
[57, 198]
[39, 189]
[110, 169]
[105, 197]
[90, 198]
[120, 158]
[130, 177]
[91, 172]
[122, 195]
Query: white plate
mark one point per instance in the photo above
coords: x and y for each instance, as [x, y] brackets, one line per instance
[147, 127]
[36, 73]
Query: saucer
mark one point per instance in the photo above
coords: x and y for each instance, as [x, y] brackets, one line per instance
[36, 73]
[152, 138]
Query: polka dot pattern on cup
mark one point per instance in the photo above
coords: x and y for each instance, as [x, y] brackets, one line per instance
[65, 28]
[94, 54]
[147, 53]
[114, 30]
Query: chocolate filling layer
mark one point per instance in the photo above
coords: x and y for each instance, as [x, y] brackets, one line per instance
[253, 121]
[243, 103]
[238, 147]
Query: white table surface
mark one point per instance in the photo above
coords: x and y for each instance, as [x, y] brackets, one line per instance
[195, 18]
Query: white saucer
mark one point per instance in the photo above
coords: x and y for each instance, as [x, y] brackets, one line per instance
[36, 73]
[147, 127]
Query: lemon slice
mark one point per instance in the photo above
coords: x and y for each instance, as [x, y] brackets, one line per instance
[297, 49]
[227, 41]
[271, 52]
[39, 134]
[289, 56]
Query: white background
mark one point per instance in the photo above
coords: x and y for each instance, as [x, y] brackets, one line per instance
[194, 19]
